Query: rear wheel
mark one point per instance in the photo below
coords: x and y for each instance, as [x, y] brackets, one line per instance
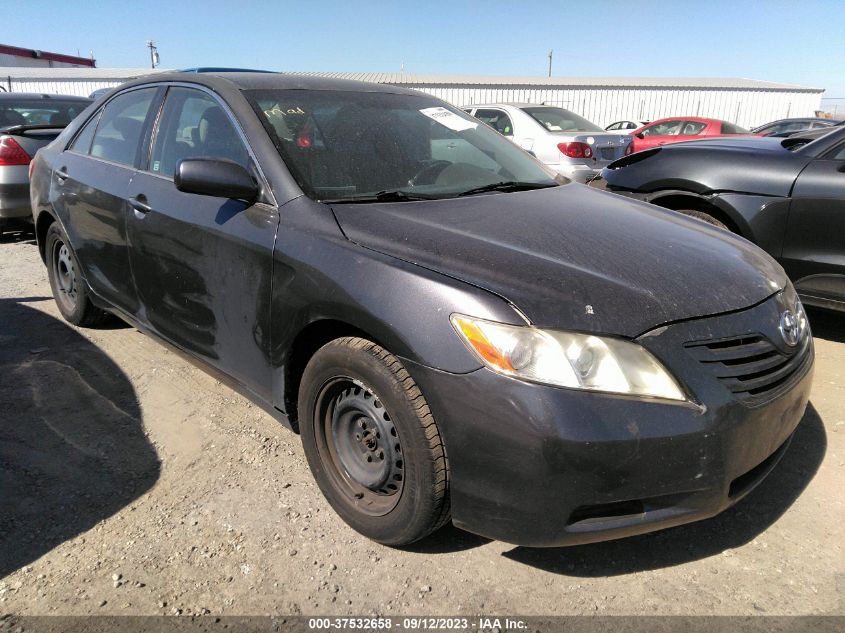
[701, 215]
[66, 281]
[372, 443]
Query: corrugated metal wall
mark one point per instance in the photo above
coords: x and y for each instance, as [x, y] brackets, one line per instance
[81, 88]
[603, 106]
[747, 108]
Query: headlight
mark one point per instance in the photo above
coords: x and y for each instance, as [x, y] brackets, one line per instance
[567, 359]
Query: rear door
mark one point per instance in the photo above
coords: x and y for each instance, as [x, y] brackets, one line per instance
[814, 246]
[202, 264]
[89, 191]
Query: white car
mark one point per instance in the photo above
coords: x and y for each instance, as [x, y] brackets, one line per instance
[564, 141]
[625, 127]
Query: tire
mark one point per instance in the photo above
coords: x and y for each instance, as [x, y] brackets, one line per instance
[706, 217]
[372, 443]
[69, 289]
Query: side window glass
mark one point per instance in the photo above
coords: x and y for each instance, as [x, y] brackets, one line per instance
[194, 125]
[82, 142]
[691, 128]
[840, 154]
[121, 127]
[496, 119]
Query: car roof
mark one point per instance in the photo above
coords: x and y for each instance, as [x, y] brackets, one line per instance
[511, 104]
[698, 119]
[13, 96]
[269, 81]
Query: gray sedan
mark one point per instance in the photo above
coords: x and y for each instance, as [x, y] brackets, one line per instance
[563, 140]
[27, 123]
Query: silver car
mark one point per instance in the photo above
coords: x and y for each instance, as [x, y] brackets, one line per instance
[564, 141]
[28, 122]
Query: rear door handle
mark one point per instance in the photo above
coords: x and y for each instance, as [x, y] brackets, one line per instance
[139, 204]
[61, 174]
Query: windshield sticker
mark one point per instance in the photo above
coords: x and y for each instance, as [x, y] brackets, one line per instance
[449, 119]
[278, 111]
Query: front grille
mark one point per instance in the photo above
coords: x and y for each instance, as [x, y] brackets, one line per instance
[751, 366]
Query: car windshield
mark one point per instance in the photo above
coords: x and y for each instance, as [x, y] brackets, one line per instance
[51, 111]
[560, 120]
[377, 147]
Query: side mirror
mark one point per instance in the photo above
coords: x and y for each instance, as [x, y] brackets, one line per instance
[215, 177]
[639, 135]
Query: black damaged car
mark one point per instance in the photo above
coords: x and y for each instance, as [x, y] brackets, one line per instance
[785, 195]
[456, 333]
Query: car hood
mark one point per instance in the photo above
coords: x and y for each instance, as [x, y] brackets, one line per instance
[574, 257]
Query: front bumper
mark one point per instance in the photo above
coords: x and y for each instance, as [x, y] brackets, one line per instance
[541, 466]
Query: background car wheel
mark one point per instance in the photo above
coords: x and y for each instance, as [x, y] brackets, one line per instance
[66, 282]
[372, 443]
[701, 215]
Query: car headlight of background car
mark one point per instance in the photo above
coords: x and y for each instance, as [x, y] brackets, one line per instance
[567, 359]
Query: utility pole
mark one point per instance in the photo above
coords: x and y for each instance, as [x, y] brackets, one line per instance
[551, 52]
[153, 53]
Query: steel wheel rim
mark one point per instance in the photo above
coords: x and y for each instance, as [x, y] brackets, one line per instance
[360, 446]
[65, 274]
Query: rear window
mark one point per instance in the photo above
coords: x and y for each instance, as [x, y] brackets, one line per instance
[58, 112]
[560, 120]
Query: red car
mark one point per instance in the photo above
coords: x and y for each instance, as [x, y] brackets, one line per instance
[676, 129]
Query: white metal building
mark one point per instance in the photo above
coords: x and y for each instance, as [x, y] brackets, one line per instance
[602, 100]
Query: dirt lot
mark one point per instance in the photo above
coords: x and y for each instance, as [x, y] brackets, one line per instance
[133, 483]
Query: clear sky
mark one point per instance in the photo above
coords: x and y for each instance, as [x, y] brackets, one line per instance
[800, 42]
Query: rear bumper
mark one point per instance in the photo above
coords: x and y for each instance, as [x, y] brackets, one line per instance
[576, 172]
[14, 201]
[540, 466]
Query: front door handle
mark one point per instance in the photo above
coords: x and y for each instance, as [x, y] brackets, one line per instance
[139, 204]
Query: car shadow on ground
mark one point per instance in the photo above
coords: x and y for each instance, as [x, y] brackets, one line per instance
[730, 529]
[827, 324]
[72, 445]
[15, 235]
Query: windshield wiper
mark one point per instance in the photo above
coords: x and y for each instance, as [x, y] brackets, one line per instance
[392, 195]
[508, 185]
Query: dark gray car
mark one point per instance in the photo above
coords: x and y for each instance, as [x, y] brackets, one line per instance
[785, 195]
[28, 122]
[475, 340]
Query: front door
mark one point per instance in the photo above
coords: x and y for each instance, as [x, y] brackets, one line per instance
[202, 265]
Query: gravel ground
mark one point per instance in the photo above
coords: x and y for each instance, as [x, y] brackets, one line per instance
[133, 483]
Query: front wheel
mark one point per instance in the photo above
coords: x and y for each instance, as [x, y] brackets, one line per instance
[372, 443]
[66, 281]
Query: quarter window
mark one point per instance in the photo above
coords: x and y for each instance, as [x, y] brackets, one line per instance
[82, 142]
[121, 129]
[194, 125]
